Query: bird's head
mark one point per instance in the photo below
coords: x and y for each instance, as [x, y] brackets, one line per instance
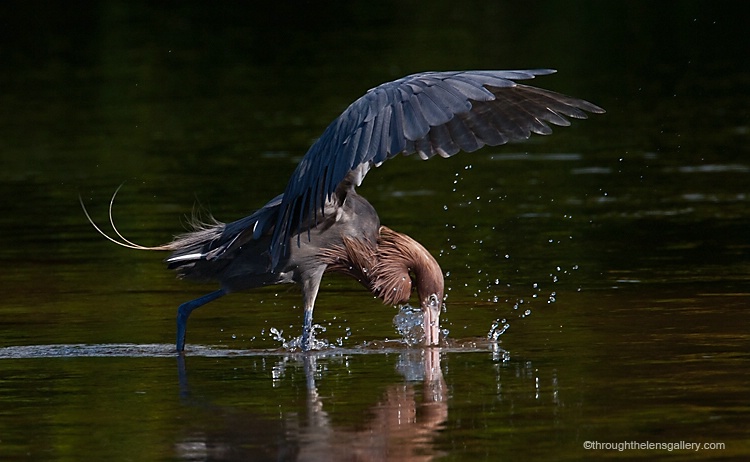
[404, 264]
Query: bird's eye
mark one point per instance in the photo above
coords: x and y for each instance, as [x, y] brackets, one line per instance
[434, 301]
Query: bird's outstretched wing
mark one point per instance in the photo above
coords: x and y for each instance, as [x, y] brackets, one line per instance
[428, 113]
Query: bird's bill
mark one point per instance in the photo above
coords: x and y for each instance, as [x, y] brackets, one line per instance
[431, 324]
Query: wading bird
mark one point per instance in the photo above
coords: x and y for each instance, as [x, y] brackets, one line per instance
[320, 224]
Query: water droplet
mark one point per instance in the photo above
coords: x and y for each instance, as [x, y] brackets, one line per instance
[277, 334]
[408, 322]
[497, 329]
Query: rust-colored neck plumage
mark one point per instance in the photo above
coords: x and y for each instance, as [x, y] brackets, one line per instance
[386, 267]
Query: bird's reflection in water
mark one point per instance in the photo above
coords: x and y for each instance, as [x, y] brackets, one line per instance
[401, 425]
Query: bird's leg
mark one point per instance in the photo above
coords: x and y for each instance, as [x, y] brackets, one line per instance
[183, 313]
[310, 286]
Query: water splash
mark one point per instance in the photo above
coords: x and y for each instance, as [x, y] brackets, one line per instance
[295, 344]
[409, 324]
[277, 334]
[498, 328]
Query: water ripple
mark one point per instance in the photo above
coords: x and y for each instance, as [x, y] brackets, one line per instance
[166, 350]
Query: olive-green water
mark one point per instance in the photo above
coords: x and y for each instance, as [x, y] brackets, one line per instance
[615, 253]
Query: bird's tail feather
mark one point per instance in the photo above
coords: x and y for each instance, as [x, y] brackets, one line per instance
[208, 239]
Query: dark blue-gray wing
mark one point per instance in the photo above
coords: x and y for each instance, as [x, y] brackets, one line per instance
[429, 113]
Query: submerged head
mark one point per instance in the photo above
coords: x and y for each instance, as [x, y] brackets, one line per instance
[399, 259]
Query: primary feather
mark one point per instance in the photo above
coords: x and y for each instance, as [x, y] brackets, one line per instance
[427, 113]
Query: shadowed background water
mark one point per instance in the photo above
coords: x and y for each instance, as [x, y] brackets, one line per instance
[616, 250]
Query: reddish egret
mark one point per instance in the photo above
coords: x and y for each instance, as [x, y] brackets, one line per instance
[320, 224]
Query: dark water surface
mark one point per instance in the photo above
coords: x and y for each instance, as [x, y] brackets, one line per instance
[615, 253]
